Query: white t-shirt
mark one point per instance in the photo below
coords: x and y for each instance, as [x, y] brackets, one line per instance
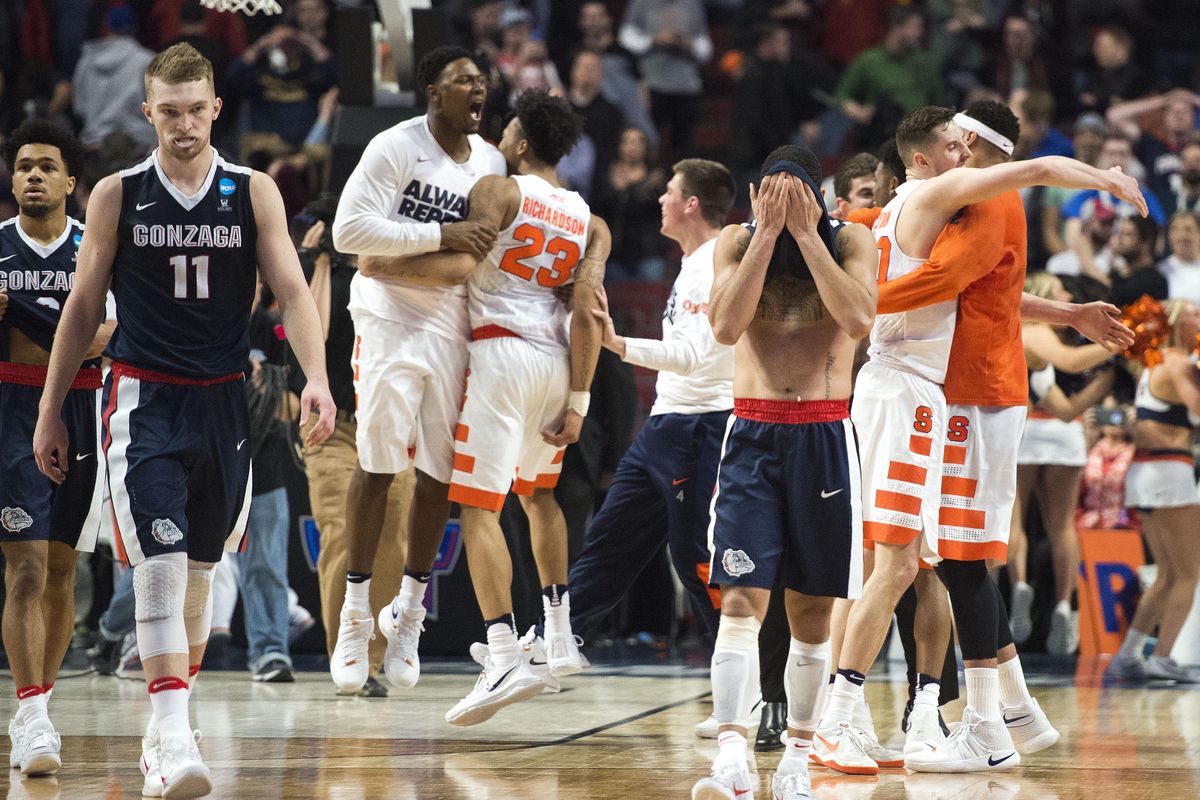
[403, 189]
[695, 370]
[1183, 278]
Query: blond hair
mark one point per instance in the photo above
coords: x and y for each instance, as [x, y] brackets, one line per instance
[1175, 308]
[1041, 284]
[179, 63]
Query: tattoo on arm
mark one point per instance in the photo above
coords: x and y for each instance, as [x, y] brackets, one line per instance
[591, 273]
[829, 362]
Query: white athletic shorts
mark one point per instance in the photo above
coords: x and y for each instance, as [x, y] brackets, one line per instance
[1053, 442]
[979, 481]
[900, 419]
[408, 386]
[514, 391]
[1160, 479]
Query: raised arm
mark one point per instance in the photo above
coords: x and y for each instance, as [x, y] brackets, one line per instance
[79, 324]
[1100, 322]
[280, 267]
[741, 260]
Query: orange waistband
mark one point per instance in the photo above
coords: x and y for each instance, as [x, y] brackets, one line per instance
[1034, 413]
[1182, 456]
[790, 412]
[125, 371]
[492, 332]
[34, 375]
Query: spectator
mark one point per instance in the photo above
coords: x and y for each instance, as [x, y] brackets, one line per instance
[311, 17]
[670, 38]
[1091, 253]
[1048, 200]
[1174, 114]
[577, 169]
[484, 27]
[627, 198]
[602, 121]
[854, 185]
[522, 59]
[1182, 267]
[165, 25]
[1018, 65]
[1117, 151]
[1036, 114]
[622, 82]
[764, 113]
[1184, 192]
[958, 29]
[1110, 75]
[1102, 491]
[1135, 275]
[108, 84]
[282, 76]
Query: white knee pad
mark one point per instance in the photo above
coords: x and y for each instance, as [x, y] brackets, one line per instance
[198, 604]
[806, 681]
[735, 670]
[159, 586]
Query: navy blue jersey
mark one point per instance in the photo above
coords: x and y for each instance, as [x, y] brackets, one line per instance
[184, 272]
[38, 279]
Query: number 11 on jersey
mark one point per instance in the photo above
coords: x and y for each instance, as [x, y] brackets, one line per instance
[180, 263]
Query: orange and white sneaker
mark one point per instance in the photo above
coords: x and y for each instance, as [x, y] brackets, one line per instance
[349, 665]
[730, 780]
[844, 748]
[402, 628]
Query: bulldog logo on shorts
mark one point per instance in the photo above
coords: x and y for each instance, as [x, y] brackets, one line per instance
[737, 563]
[15, 520]
[165, 532]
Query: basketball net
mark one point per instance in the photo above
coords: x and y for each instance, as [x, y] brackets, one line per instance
[247, 7]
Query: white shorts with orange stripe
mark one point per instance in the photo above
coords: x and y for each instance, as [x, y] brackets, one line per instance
[1160, 479]
[1050, 441]
[514, 391]
[900, 419]
[979, 481]
[408, 385]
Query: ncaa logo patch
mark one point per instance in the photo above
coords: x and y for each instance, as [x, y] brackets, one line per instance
[226, 186]
[165, 532]
[737, 563]
[77, 238]
[15, 520]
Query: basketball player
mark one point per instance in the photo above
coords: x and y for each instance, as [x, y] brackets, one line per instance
[793, 294]
[42, 525]
[900, 409]
[530, 370]
[179, 237]
[406, 197]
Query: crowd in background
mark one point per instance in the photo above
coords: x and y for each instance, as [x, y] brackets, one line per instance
[1111, 82]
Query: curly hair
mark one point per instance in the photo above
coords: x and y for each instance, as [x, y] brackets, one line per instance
[432, 64]
[889, 154]
[549, 123]
[996, 116]
[37, 131]
[796, 154]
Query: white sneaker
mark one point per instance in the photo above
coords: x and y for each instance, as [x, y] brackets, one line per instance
[184, 774]
[533, 647]
[708, 728]
[924, 733]
[730, 779]
[1158, 668]
[350, 665]
[1128, 668]
[1063, 639]
[884, 757]
[977, 745]
[1029, 727]
[152, 781]
[791, 781]
[844, 748]
[496, 688]
[42, 752]
[402, 629]
[563, 654]
[1020, 620]
[16, 735]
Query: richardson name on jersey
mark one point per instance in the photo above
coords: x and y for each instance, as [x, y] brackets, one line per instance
[187, 235]
[424, 202]
[37, 280]
[560, 220]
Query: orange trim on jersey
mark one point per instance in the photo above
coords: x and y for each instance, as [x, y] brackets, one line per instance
[790, 412]
[558, 457]
[491, 332]
[971, 551]
[461, 433]
[865, 216]
[961, 518]
[464, 463]
[475, 498]
[544, 481]
[921, 445]
[959, 487]
[954, 454]
[909, 473]
[704, 572]
[894, 501]
[889, 534]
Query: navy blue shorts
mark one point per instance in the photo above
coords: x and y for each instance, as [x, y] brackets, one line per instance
[787, 510]
[32, 507]
[178, 454]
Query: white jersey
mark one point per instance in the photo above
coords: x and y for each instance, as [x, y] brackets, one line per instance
[695, 370]
[513, 287]
[404, 188]
[915, 341]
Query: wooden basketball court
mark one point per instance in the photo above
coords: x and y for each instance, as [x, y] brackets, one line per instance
[612, 733]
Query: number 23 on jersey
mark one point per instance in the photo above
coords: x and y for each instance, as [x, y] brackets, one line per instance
[565, 252]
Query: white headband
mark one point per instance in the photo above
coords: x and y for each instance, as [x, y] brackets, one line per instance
[983, 131]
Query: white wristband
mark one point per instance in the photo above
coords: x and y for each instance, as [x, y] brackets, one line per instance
[579, 403]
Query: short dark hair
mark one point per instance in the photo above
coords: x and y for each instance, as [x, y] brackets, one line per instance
[431, 66]
[1114, 134]
[710, 183]
[997, 116]
[38, 131]
[857, 166]
[917, 129]
[1038, 105]
[799, 155]
[899, 15]
[1146, 227]
[549, 123]
[889, 155]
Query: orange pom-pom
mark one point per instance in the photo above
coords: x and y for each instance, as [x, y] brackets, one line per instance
[1147, 318]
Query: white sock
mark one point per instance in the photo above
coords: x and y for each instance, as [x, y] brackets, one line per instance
[861, 717]
[1013, 691]
[928, 695]
[797, 750]
[1134, 644]
[842, 699]
[502, 644]
[358, 599]
[32, 708]
[983, 691]
[412, 594]
[805, 680]
[171, 711]
[557, 617]
[1063, 607]
[732, 744]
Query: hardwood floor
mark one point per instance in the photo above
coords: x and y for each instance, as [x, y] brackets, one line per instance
[610, 734]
